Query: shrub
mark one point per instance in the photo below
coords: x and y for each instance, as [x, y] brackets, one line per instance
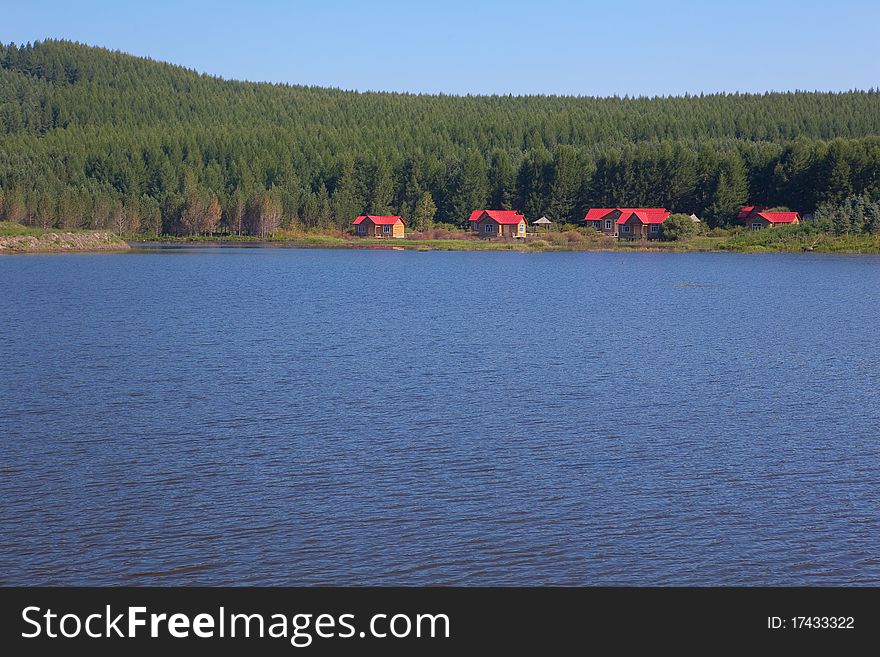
[678, 227]
[557, 239]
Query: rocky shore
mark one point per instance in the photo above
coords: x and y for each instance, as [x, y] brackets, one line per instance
[62, 243]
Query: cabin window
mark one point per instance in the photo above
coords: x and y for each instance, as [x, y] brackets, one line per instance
[608, 225]
[386, 229]
[362, 229]
[522, 228]
[624, 228]
[655, 228]
[756, 225]
[488, 228]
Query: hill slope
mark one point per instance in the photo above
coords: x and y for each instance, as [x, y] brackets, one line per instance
[95, 138]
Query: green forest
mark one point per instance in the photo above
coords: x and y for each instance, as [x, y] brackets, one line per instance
[91, 138]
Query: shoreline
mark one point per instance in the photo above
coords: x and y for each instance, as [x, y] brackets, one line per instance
[701, 245]
[37, 241]
[62, 242]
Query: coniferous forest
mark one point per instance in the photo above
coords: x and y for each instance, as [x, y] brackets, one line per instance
[91, 138]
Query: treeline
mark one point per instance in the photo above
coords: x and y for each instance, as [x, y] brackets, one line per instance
[93, 138]
[856, 215]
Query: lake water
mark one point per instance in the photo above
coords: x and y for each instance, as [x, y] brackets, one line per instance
[274, 416]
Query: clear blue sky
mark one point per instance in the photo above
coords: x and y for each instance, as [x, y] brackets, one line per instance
[634, 47]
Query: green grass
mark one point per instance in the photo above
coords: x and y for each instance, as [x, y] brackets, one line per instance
[797, 238]
[11, 229]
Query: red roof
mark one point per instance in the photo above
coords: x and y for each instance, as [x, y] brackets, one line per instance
[644, 215]
[749, 210]
[647, 216]
[780, 217]
[379, 221]
[595, 214]
[500, 216]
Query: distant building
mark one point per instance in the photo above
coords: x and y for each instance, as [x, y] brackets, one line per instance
[603, 219]
[750, 211]
[769, 219]
[369, 225]
[543, 222]
[641, 224]
[609, 220]
[498, 223]
[695, 218]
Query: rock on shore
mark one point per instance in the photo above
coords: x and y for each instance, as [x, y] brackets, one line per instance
[62, 242]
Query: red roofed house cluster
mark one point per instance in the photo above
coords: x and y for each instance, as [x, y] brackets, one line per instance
[368, 225]
[624, 223]
[644, 223]
[628, 223]
[498, 223]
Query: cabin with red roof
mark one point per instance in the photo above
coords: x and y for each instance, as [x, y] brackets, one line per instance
[627, 223]
[761, 220]
[641, 223]
[370, 225]
[498, 223]
[603, 219]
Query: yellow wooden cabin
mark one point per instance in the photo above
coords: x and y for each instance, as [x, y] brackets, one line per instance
[369, 225]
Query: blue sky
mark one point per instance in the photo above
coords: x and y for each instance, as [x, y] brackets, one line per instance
[633, 47]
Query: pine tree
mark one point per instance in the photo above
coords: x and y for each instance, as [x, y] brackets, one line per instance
[423, 216]
[345, 203]
[383, 191]
[532, 183]
[731, 191]
[565, 186]
[470, 187]
[839, 185]
[502, 181]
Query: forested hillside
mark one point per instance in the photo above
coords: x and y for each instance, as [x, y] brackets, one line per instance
[93, 138]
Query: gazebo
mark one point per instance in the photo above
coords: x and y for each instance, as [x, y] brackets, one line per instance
[543, 221]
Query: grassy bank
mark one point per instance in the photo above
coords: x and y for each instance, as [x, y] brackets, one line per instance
[17, 238]
[777, 240]
[798, 238]
[553, 242]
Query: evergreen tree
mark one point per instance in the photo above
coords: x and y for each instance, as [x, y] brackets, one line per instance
[470, 187]
[325, 212]
[532, 183]
[731, 191]
[413, 188]
[383, 191]
[346, 205]
[565, 186]
[839, 185]
[423, 216]
[502, 181]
